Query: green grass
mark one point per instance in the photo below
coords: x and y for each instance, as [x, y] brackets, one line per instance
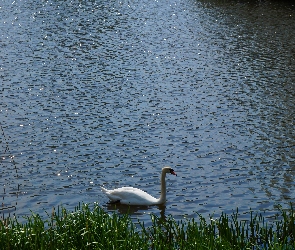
[92, 228]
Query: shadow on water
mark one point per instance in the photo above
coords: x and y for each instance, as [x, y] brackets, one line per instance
[275, 3]
[265, 31]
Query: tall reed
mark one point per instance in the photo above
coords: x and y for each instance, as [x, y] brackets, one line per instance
[93, 228]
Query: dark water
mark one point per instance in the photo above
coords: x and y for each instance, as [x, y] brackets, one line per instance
[108, 92]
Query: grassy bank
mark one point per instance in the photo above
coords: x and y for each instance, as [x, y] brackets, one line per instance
[87, 228]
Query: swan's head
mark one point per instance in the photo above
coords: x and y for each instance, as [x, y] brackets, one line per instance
[168, 170]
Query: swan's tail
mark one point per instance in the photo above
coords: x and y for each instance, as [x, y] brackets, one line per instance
[104, 190]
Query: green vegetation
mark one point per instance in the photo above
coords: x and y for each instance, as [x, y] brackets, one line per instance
[87, 228]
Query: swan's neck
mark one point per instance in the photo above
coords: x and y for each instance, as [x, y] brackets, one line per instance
[163, 188]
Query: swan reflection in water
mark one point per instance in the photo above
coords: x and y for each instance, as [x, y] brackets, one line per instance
[136, 210]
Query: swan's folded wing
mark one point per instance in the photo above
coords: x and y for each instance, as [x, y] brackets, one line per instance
[130, 195]
[127, 192]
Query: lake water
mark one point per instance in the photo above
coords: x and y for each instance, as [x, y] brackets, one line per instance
[108, 92]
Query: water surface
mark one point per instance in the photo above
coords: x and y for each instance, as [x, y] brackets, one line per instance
[108, 92]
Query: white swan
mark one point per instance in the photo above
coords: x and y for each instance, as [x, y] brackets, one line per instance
[135, 196]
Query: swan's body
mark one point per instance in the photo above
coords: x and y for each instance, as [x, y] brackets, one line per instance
[135, 196]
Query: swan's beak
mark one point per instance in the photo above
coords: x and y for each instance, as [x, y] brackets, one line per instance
[172, 172]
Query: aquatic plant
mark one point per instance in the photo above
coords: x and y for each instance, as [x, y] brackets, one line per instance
[93, 228]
